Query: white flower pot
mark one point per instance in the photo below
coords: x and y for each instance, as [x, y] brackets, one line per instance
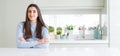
[52, 35]
[58, 36]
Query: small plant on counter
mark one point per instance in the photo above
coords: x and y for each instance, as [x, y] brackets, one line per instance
[82, 31]
[97, 32]
[51, 28]
[69, 27]
[59, 31]
[69, 30]
[51, 32]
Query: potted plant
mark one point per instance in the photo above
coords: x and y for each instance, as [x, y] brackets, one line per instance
[97, 32]
[51, 31]
[94, 32]
[51, 28]
[69, 29]
[82, 31]
[59, 32]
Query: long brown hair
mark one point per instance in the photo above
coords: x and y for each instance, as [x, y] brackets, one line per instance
[39, 25]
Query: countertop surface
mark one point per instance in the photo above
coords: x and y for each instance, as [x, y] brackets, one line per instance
[60, 52]
[79, 41]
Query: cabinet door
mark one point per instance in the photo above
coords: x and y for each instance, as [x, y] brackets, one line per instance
[70, 3]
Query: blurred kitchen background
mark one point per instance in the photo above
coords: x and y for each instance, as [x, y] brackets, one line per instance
[71, 23]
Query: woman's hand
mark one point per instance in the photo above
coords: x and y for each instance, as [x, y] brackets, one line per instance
[22, 39]
[44, 40]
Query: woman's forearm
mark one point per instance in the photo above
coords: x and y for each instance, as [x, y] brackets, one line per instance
[22, 43]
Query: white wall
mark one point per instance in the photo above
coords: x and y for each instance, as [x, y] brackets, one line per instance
[114, 9]
[11, 13]
[2, 19]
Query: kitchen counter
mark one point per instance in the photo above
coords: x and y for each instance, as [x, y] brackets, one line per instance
[79, 41]
[60, 52]
[76, 41]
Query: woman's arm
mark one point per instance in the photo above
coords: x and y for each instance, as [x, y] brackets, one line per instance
[41, 41]
[20, 41]
[45, 34]
[24, 44]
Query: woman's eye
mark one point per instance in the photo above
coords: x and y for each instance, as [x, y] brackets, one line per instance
[29, 11]
[34, 11]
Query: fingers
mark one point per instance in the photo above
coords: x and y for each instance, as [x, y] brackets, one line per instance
[44, 40]
[22, 39]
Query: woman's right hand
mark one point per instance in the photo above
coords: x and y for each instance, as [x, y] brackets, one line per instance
[44, 40]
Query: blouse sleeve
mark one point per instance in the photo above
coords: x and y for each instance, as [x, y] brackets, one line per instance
[21, 44]
[45, 32]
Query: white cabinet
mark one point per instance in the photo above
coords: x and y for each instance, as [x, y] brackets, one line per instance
[70, 4]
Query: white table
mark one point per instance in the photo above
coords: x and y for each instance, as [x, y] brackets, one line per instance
[60, 52]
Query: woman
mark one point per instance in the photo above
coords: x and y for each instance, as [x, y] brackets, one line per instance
[32, 33]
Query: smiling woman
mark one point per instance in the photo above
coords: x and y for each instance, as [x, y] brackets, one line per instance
[32, 33]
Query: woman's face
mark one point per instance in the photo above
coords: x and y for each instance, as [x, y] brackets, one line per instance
[32, 14]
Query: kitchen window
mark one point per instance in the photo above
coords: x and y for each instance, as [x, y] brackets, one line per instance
[85, 26]
[76, 22]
